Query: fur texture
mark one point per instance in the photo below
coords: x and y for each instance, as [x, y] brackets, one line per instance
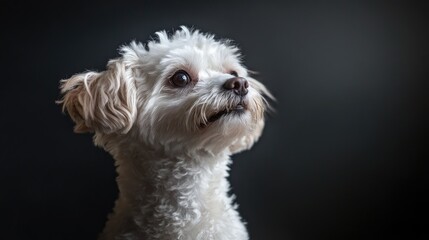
[171, 143]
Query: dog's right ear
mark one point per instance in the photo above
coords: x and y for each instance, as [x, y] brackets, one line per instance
[101, 102]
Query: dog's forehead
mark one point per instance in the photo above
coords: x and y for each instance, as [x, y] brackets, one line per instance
[193, 50]
[203, 54]
[216, 57]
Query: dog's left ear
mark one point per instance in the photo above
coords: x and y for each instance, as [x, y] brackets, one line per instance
[101, 102]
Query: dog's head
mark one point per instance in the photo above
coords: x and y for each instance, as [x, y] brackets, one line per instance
[182, 92]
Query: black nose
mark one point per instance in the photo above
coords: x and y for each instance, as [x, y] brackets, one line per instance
[237, 84]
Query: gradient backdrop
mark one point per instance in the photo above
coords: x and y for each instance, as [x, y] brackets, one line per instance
[344, 156]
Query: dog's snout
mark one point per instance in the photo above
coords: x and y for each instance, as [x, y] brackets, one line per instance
[237, 84]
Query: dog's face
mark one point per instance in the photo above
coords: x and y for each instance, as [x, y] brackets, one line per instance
[183, 92]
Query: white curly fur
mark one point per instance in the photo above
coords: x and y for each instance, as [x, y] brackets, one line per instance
[172, 161]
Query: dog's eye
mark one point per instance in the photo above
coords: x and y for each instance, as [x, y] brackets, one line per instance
[234, 73]
[180, 78]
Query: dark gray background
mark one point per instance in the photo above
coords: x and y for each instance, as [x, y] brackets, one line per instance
[343, 157]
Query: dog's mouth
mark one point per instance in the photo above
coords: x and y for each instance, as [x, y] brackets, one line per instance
[237, 109]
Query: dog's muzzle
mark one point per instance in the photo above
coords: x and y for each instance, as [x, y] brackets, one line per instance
[239, 86]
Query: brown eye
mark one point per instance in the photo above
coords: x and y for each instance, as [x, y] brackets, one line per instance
[180, 78]
[234, 73]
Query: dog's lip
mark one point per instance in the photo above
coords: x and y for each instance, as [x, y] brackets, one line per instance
[239, 108]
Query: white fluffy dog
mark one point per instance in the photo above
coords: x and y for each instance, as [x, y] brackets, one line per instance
[171, 113]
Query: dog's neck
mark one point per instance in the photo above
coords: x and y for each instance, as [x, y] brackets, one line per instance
[144, 173]
[156, 190]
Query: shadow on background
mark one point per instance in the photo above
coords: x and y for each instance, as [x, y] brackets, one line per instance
[342, 157]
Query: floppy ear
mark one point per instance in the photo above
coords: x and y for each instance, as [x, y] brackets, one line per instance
[101, 102]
